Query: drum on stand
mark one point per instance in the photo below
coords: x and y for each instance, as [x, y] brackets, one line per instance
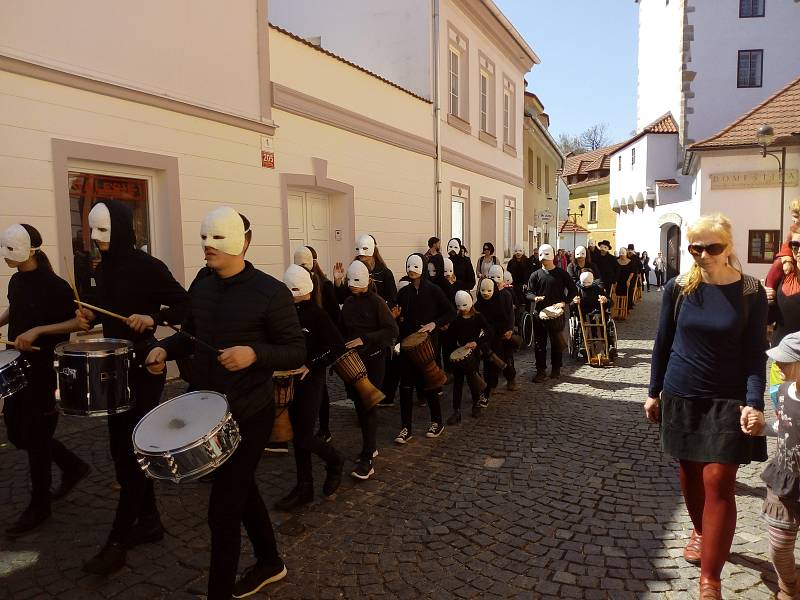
[93, 376]
[186, 437]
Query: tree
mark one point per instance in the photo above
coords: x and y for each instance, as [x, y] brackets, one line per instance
[570, 143]
[591, 138]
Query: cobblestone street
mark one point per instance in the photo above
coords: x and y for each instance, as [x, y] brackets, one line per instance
[558, 491]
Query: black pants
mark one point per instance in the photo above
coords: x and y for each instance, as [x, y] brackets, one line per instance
[411, 377]
[31, 422]
[325, 410]
[303, 416]
[236, 501]
[659, 278]
[491, 372]
[137, 499]
[392, 376]
[542, 333]
[368, 418]
[458, 387]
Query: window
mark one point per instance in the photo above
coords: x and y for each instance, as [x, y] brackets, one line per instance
[508, 231]
[750, 68]
[530, 166]
[547, 179]
[751, 8]
[454, 81]
[507, 119]
[633, 156]
[457, 229]
[762, 245]
[593, 209]
[484, 104]
[619, 163]
[538, 172]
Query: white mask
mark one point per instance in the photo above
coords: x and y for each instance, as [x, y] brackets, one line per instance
[508, 278]
[15, 244]
[223, 230]
[519, 249]
[357, 275]
[453, 246]
[431, 270]
[496, 274]
[546, 252]
[487, 289]
[587, 279]
[298, 280]
[414, 264]
[365, 246]
[448, 267]
[100, 223]
[580, 252]
[303, 257]
[463, 300]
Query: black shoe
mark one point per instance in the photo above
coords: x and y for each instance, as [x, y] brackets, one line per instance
[511, 385]
[403, 436]
[386, 402]
[256, 577]
[555, 373]
[363, 470]
[69, 481]
[455, 418]
[302, 494]
[111, 558]
[539, 377]
[476, 410]
[483, 401]
[29, 520]
[146, 531]
[278, 447]
[435, 430]
[333, 478]
[325, 436]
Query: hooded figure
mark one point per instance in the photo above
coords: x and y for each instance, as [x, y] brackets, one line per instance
[497, 307]
[462, 268]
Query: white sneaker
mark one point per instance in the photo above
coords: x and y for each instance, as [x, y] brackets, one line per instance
[435, 430]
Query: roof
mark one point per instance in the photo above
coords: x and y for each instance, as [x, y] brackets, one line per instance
[667, 183]
[568, 226]
[512, 31]
[594, 160]
[781, 111]
[347, 62]
[590, 182]
[664, 124]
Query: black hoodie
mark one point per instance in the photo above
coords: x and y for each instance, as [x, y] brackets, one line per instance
[130, 281]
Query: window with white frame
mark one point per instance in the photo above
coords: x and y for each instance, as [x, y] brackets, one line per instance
[455, 58]
[508, 231]
[459, 196]
[457, 75]
[593, 208]
[486, 95]
[633, 156]
[484, 101]
[538, 172]
[509, 101]
[531, 177]
[619, 163]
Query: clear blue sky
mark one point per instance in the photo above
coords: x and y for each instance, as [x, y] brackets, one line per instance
[588, 54]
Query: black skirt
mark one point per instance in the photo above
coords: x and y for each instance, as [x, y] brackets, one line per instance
[707, 430]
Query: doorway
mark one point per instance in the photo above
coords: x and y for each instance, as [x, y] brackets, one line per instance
[673, 251]
[488, 224]
[309, 224]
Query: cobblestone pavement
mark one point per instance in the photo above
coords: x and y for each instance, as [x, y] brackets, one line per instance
[559, 491]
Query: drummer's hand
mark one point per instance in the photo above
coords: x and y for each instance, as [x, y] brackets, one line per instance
[396, 310]
[85, 318]
[444, 327]
[156, 361]
[451, 279]
[237, 357]
[507, 335]
[338, 273]
[302, 371]
[471, 345]
[354, 343]
[603, 299]
[140, 323]
[538, 298]
[576, 299]
[24, 341]
[427, 328]
[561, 304]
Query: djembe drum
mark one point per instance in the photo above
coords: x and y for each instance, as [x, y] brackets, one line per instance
[283, 394]
[353, 372]
[419, 348]
[467, 361]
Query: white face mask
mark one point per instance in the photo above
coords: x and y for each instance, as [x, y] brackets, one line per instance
[546, 252]
[357, 275]
[365, 246]
[298, 280]
[431, 270]
[587, 279]
[519, 250]
[303, 257]
[496, 274]
[453, 247]
[448, 267]
[15, 244]
[100, 223]
[487, 289]
[580, 252]
[463, 300]
[508, 279]
[223, 230]
[414, 264]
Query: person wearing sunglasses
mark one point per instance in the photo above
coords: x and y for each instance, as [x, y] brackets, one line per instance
[708, 363]
[485, 261]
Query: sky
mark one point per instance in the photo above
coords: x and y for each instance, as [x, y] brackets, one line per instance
[587, 50]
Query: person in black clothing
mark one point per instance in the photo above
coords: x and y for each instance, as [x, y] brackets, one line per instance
[462, 268]
[626, 277]
[606, 264]
[130, 282]
[497, 308]
[250, 317]
[505, 345]
[580, 263]
[369, 327]
[520, 268]
[382, 277]
[324, 344]
[646, 269]
[548, 286]
[436, 274]
[423, 307]
[40, 311]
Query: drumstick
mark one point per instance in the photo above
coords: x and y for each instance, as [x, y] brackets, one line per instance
[101, 310]
[194, 339]
[11, 343]
[72, 282]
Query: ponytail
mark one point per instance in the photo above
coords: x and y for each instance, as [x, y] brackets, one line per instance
[42, 262]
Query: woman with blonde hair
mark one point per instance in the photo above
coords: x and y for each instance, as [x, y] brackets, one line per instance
[708, 363]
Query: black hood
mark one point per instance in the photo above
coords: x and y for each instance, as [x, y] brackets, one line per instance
[123, 239]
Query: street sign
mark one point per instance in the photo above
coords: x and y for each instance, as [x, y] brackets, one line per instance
[545, 216]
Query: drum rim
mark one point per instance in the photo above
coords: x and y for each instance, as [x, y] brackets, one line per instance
[421, 334]
[18, 363]
[197, 473]
[125, 348]
[461, 348]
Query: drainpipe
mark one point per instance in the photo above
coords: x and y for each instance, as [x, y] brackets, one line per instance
[437, 114]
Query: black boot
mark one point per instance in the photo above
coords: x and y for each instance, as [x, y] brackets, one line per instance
[29, 520]
[303, 493]
[147, 530]
[69, 481]
[333, 477]
[111, 558]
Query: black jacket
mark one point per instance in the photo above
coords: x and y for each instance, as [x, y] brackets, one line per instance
[498, 311]
[330, 303]
[367, 316]
[475, 329]
[324, 343]
[385, 285]
[421, 306]
[555, 285]
[248, 309]
[574, 271]
[520, 270]
[464, 272]
[607, 267]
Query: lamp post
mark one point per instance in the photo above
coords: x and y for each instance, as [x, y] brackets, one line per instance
[575, 216]
[765, 136]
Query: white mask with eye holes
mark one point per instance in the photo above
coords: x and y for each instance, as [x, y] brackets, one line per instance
[587, 279]
[298, 280]
[453, 247]
[546, 252]
[365, 246]
[519, 250]
[487, 289]
[580, 252]
[496, 274]
[431, 270]
[357, 275]
[15, 244]
[414, 264]
[508, 278]
[303, 257]
[223, 230]
[100, 223]
[448, 267]
[463, 300]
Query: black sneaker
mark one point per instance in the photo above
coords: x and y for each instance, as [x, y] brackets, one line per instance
[363, 470]
[256, 577]
[111, 558]
[511, 385]
[555, 373]
[455, 418]
[539, 377]
[278, 447]
[483, 401]
[146, 531]
[69, 481]
[386, 402]
[325, 436]
[333, 478]
[403, 436]
[302, 494]
[476, 410]
[435, 430]
[29, 520]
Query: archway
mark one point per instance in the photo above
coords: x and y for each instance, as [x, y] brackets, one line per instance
[673, 253]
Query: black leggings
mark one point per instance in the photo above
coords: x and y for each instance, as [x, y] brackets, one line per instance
[659, 278]
[411, 377]
[368, 418]
[303, 416]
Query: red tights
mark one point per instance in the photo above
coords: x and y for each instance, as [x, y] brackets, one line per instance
[709, 493]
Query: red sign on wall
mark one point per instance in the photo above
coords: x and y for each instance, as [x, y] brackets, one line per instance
[267, 159]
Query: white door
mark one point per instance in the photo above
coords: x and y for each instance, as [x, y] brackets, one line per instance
[309, 224]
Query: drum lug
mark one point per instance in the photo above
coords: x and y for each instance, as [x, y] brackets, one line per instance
[144, 464]
[173, 466]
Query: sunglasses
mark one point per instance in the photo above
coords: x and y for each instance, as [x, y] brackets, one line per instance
[712, 249]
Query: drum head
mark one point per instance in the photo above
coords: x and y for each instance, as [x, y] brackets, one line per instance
[7, 357]
[94, 347]
[180, 422]
[413, 340]
[460, 354]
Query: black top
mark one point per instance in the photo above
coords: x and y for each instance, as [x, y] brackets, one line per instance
[421, 306]
[520, 270]
[498, 311]
[248, 309]
[555, 285]
[448, 288]
[574, 271]
[607, 267]
[324, 343]
[590, 298]
[367, 316]
[623, 273]
[475, 329]
[785, 314]
[465, 274]
[646, 265]
[384, 284]
[330, 303]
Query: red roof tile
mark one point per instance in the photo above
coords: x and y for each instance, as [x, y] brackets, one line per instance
[663, 124]
[667, 183]
[581, 164]
[570, 227]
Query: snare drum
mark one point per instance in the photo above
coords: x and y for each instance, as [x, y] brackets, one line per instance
[186, 437]
[419, 348]
[93, 376]
[13, 372]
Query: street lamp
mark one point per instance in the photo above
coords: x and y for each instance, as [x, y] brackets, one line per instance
[575, 216]
[765, 135]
